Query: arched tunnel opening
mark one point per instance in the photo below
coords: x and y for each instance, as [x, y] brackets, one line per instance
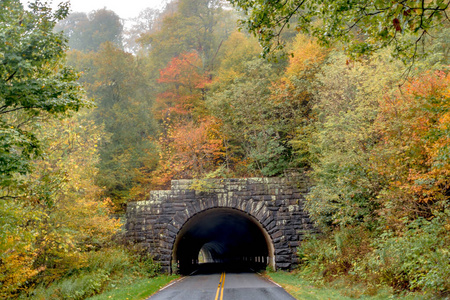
[222, 239]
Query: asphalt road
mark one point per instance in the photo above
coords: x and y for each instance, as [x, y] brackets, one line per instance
[222, 286]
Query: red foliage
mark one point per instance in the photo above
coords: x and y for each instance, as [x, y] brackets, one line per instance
[185, 82]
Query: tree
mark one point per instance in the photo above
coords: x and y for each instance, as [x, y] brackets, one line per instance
[118, 82]
[263, 106]
[255, 126]
[296, 90]
[189, 142]
[346, 108]
[185, 82]
[188, 149]
[364, 26]
[104, 26]
[72, 26]
[145, 23]
[413, 154]
[86, 32]
[39, 184]
[58, 214]
[233, 56]
[195, 25]
[35, 82]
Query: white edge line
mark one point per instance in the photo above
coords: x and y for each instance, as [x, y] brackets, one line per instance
[170, 284]
[269, 279]
[164, 287]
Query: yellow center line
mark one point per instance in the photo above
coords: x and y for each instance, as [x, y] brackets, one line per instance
[220, 287]
[223, 284]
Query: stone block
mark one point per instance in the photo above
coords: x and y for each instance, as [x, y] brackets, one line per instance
[266, 221]
[283, 265]
[282, 258]
[271, 227]
[277, 234]
[283, 251]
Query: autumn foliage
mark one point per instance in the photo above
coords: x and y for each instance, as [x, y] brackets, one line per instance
[189, 150]
[196, 101]
[185, 82]
[190, 142]
[380, 163]
[414, 147]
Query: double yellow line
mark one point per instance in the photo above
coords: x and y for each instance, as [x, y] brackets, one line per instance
[219, 292]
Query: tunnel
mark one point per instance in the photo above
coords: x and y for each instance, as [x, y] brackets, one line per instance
[222, 239]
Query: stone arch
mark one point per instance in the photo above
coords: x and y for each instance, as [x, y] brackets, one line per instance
[264, 257]
[257, 209]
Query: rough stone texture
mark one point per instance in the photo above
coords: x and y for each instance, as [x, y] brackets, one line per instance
[275, 202]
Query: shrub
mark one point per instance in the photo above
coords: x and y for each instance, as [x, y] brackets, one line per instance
[336, 253]
[145, 264]
[418, 259]
[101, 269]
[415, 259]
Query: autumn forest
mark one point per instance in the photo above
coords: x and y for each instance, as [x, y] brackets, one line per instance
[96, 112]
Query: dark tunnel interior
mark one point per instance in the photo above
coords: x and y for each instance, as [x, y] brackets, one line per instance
[222, 239]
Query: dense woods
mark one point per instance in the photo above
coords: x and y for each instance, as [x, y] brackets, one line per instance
[95, 114]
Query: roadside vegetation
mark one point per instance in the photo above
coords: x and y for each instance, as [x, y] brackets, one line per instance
[380, 168]
[115, 271]
[136, 290]
[93, 119]
[302, 287]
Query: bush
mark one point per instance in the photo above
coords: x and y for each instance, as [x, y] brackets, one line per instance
[415, 259]
[102, 269]
[75, 287]
[112, 260]
[145, 264]
[419, 259]
[335, 254]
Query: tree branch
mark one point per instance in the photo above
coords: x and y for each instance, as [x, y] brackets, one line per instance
[286, 20]
[16, 109]
[11, 76]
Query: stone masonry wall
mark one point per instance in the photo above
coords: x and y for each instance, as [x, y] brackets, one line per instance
[277, 203]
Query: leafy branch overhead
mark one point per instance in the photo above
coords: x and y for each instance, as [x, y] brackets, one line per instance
[362, 26]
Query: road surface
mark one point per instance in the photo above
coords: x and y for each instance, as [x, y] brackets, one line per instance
[222, 286]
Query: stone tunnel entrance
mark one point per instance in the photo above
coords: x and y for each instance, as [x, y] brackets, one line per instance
[251, 222]
[222, 239]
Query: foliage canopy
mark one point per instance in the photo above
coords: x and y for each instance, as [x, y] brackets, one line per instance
[362, 26]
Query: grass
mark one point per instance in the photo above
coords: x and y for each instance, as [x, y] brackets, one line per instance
[301, 288]
[137, 290]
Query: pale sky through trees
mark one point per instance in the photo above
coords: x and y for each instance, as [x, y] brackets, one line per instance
[126, 9]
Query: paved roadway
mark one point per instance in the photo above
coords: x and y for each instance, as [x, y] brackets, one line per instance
[222, 286]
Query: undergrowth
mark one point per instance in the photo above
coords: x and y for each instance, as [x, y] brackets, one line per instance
[104, 270]
[415, 259]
